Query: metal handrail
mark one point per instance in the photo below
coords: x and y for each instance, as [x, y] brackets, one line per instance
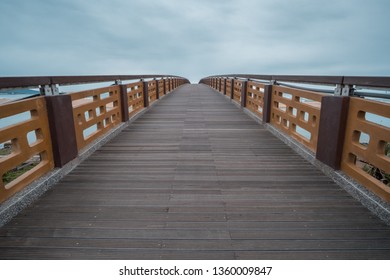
[35, 81]
[364, 81]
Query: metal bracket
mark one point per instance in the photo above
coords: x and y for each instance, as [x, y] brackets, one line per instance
[347, 90]
[49, 90]
[338, 90]
[344, 90]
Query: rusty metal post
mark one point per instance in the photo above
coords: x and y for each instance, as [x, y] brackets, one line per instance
[145, 87]
[244, 86]
[62, 131]
[267, 106]
[333, 121]
[124, 103]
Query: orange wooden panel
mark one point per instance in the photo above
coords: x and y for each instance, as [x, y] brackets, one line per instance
[297, 113]
[22, 150]
[135, 97]
[356, 154]
[228, 87]
[237, 91]
[161, 87]
[98, 107]
[255, 97]
[152, 91]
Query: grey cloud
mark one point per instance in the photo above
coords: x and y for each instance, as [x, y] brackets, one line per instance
[194, 38]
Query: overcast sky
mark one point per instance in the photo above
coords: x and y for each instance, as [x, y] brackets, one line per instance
[194, 38]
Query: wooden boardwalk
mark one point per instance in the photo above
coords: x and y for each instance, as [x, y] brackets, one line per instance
[195, 178]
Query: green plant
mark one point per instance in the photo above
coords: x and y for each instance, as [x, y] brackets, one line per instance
[13, 174]
[5, 152]
[377, 173]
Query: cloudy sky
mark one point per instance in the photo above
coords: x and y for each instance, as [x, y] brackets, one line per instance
[194, 38]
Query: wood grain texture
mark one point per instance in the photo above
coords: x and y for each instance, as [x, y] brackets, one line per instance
[35, 123]
[292, 109]
[195, 178]
[97, 107]
[373, 152]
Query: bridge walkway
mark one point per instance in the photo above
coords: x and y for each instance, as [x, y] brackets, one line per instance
[195, 178]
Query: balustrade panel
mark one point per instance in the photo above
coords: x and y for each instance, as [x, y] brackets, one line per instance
[135, 97]
[366, 153]
[297, 113]
[25, 145]
[237, 91]
[255, 98]
[95, 112]
[152, 91]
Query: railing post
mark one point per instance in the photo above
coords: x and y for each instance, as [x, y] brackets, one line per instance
[165, 87]
[244, 86]
[157, 89]
[61, 124]
[124, 103]
[145, 87]
[267, 106]
[231, 89]
[333, 120]
[224, 86]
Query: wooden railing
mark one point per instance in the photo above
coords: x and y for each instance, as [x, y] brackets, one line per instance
[255, 98]
[297, 113]
[237, 87]
[135, 97]
[152, 91]
[371, 154]
[95, 112]
[161, 88]
[322, 121]
[61, 126]
[38, 153]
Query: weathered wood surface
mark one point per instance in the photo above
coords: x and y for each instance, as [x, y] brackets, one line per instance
[195, 178]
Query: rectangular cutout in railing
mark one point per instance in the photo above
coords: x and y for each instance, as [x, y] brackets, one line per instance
[301, 132]
[25, 150]
[297, 112]
[90, 109]
[34, 137]
[366, 154]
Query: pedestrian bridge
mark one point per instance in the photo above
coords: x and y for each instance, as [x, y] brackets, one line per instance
[229, 168]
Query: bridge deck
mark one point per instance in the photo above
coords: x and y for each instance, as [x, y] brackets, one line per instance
[195, 178]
